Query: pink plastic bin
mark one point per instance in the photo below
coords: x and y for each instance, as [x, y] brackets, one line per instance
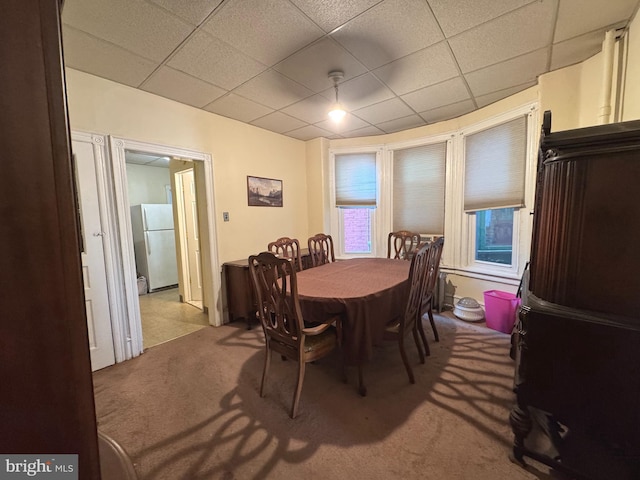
[501, 309]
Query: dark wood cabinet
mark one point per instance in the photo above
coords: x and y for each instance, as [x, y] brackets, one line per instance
[241, 302]
[577, 378]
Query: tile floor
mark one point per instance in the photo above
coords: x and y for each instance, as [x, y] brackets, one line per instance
[164, 317]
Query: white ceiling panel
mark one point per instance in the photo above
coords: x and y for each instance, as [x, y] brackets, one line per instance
[278, 122]
[89, 54]
[273, 89]
[449, 111]
[330, 14]
[384, 111]
[507, 74]
[420, 69]
[267, 61]
[576, 17]
[311, 66]
[271, 29]
[181, 87]
[146, 29]
[215, 62]
[388, 31]
[445, 93]
[238, 108]
[456, 16]
[509, 36]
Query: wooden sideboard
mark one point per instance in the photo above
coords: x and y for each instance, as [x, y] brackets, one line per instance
[241, 301]
[577, 378]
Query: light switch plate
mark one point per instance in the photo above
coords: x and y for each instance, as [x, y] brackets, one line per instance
[225, 216]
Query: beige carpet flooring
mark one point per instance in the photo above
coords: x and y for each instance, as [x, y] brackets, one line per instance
[165, 318]
[190, 409]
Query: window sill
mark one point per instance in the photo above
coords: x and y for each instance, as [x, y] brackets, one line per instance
[504, 278]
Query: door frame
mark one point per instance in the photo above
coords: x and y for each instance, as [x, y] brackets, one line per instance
[118, 145]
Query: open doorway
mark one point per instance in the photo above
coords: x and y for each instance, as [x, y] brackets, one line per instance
[164, 225]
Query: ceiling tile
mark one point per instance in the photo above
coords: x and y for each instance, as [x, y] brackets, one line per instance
[311, 66]
[181, 87]
[215, 62]
[576, 17]
[484, 100]
[347, 124]
[507, 74]
[360, 92]
[576, 49]
[513, 34]
[423, 68]
[278, 122]
[89, 54]
[405, 123]
[448, 111]
[388, 31]
[384, 111]
[363, 132]
[309, 132]
[445, 93]
[311, 110]
[191, 11]
[330, 14]
[459, 15]
[138, 26]
[270, 30]
[274, 90]
[238, 108]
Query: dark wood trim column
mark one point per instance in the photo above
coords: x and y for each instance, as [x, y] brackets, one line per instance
[46, 398]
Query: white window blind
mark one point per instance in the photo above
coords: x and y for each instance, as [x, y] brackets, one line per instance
[495, 166]
[418, 188]
[355, 178]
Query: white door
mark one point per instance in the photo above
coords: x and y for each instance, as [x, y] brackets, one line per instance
[189, 206]
[93, 265]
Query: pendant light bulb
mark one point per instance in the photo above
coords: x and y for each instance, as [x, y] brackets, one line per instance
[337, 112]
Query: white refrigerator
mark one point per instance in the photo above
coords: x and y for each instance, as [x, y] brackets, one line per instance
[155, 244]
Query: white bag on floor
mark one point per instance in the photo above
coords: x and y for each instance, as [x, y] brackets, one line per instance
[142, 285]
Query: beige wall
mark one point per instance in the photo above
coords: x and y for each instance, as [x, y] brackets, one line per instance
[147, 184]
[101, 106]
[631, 96]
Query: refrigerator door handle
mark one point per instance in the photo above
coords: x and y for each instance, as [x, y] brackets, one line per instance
[146, 238]
[144, 219]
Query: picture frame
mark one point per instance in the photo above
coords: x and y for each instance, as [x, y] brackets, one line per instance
[264, 192]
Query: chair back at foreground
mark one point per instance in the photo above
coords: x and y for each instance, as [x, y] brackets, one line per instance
[286, 247]
[321, 249]
[431, 278]
[275, 286]
[401, 244]
[406, 324]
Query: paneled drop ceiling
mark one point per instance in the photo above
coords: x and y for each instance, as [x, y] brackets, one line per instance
[406, 63]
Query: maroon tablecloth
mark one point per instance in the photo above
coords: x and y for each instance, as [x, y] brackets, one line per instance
[367, 292]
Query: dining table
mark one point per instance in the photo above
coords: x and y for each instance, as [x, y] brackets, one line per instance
[367, 293]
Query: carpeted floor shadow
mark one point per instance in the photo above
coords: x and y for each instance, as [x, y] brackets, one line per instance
[190, 409]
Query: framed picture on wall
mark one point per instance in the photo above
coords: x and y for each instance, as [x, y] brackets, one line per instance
[264, 192]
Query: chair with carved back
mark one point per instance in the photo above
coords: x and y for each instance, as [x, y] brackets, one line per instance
[431, 278]
[321, 249]
[401, 244]
[286, 247]
[275, 285]
[399, 329]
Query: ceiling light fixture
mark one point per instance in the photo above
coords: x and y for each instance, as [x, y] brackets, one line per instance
[337, 111]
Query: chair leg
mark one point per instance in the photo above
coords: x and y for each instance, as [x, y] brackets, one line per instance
[361, 388]
[433, 323]
[265, 370]
[296, 393]
[420, 328]
[418, 346]
[403, 354]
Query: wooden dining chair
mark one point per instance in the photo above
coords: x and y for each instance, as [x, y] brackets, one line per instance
[321, 249]
[406, 324]
[276, 288]
[286, 247]
[401, 244]
[431, 277]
